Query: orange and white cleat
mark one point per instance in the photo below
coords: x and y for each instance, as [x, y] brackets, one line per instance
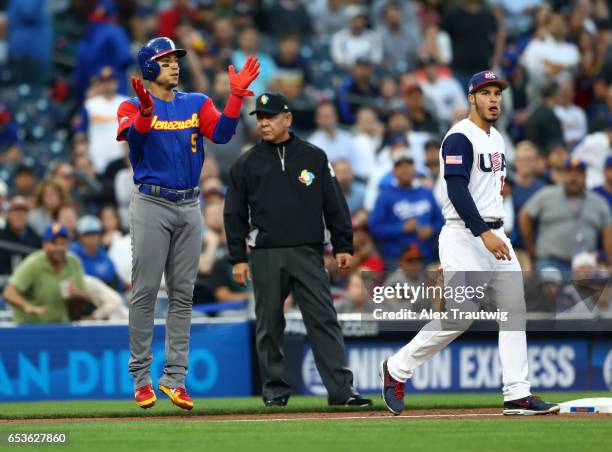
[178, 396]
[145, 396]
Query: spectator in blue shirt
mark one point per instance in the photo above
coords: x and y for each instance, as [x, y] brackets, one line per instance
[605, 190]
[404, 214]
[357, 91]
[248, 41]
[30, 40]
[90, 250]
[526, 183]
[104, 43]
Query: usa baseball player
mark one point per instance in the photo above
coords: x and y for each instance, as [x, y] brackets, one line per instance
[473, 166]
[165, 129]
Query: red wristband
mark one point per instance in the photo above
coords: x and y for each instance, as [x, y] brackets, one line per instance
[143, 123]
[232, 107]
[241, 92]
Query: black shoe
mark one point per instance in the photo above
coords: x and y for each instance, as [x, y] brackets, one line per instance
[357, 401]
[529, 406]
[277, 401]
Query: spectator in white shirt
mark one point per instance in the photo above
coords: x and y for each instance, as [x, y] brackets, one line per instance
[368, 134]
[550, 58]
[573, 118]
[398, 123]
[594, 150]
[444, 93]
[100, 120]
[517, 12]
[437, 44]
[356, 41]
[382, 174]
[123, 186]
[338, 144]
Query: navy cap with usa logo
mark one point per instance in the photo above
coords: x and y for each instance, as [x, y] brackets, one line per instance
[483, 78]
[273, 103]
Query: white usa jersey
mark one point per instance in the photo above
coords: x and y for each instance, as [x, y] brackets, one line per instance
[469, 151]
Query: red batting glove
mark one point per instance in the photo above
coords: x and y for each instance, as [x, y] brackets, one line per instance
[240, 81]
[144, 97]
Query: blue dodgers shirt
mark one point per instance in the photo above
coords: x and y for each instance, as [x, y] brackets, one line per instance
[396, 205]
[98, 265]
[167, 148]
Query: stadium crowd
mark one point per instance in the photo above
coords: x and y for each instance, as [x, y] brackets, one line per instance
[376, 84]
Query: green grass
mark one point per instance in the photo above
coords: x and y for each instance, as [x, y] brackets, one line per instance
[393, 434]
[253, 405]
[389, 434]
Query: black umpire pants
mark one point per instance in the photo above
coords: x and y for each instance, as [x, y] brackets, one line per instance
[276, 272]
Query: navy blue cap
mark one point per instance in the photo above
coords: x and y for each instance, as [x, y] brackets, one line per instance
[575, 164]
[398, 139]
[55, 230]
[104, 9]
[483, 78]
[106, 73]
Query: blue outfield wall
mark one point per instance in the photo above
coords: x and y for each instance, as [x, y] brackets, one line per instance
[54, 362]
[466, 366]
[601, 361]
[61, 362]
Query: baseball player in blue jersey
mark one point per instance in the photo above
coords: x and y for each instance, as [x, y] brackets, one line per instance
[473, 170]
[165, 130]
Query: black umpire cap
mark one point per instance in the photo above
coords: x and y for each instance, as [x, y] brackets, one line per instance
[273, 103]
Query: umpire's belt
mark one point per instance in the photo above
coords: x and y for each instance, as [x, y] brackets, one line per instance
[169, 193]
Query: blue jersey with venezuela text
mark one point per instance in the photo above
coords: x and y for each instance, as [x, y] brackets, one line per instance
[167, 148]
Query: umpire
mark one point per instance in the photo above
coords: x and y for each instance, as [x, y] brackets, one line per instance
[282, 195]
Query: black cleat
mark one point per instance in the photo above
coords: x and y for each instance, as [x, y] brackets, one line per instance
[530, 406]
[277, 401]
[355, 401]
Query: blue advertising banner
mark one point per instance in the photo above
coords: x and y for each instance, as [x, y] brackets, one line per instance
[463, 366]
[601, 365]
[57, 362]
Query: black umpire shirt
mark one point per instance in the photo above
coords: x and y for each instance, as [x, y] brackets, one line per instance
[284, 195]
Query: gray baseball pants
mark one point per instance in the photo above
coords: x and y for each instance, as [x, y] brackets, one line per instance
[166, 238]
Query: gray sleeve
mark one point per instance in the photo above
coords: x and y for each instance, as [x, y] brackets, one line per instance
[607, 216]
[534, 206]
[604, 209]
[92, 185]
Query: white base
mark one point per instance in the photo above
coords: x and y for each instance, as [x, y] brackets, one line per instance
[593, 405]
